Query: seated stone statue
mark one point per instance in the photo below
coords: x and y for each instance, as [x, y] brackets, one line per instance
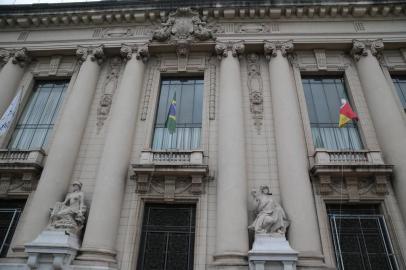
[69, 215]
[270, 217]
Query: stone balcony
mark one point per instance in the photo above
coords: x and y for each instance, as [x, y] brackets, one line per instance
[351, 175]
[19, 171]
[170, 173]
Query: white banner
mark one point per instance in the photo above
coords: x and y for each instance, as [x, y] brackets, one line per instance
[8, 116]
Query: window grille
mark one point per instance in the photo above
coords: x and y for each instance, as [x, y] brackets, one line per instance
[323, 98]
[400, 85]
[361, 241]
[167, 237]
[8, 222]
[189, 100]
[38, 117]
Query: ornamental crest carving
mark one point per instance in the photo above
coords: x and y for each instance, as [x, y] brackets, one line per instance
[183, 24]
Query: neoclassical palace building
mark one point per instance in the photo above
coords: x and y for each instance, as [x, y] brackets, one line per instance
[180, 135]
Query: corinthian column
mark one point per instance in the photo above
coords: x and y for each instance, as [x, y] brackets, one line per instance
[101, 231]
[11, 75]
[232, 220]
[294, 181]
[385, 111]
[56, 176]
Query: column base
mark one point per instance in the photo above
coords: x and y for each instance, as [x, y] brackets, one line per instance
[97, 255]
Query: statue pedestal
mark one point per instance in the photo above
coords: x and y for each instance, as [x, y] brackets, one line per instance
[272, 251]
[52, 248]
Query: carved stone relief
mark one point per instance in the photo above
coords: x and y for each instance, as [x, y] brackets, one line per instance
[169, 186]
[109, 87]
[152, 73]
[255, 87]
[19, 57]
[181, 28]
[321, 59]
[17, 184]
[353, 188]
[252, 28]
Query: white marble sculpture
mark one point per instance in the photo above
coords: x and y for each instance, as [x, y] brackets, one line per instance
[270, 217]
[69, 215]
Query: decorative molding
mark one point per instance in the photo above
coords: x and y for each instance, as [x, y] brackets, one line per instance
[255, 87]
[109, 87]
[212, 93]
[4, 56]
[252, 28]
[271, 47]
[23, 36]
[353, 188]
[361, 48]
[236, 48]
[321, 59]
[54, 65]
[133, 14]
[152, 73]
[96, 54]
[359, 26]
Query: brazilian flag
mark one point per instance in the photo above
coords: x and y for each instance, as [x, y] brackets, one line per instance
[170, 123]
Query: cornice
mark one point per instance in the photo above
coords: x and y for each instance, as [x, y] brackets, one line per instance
[33, 18]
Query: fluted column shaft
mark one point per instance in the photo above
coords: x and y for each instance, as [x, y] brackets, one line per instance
[11, 75]
[64, 149]
[385, 112]
[232, 221]
[101, 231]
[294, 181]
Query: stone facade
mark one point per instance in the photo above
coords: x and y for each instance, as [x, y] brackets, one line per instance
[255, 128]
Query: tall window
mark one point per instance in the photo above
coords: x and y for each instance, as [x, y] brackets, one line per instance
[10, 211]
[323, 98]
[188, 93]
[400, 84]
[361, 239]
[167, 237]
[37, 120]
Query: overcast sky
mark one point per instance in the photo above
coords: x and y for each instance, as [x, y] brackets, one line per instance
[16, 2]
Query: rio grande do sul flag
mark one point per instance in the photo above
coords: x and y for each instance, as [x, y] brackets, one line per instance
[7, 119]
[346, 113]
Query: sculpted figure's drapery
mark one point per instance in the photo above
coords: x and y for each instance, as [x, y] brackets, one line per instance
[270, 217]
[69, 215]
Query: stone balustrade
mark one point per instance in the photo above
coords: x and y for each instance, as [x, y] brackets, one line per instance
[348, 157]
[171, 157]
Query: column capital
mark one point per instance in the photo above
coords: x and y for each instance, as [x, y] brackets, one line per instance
[361, 48]
[236, 48]
[141, 51]
[17, 56]
[270, 48]
[95, 53]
